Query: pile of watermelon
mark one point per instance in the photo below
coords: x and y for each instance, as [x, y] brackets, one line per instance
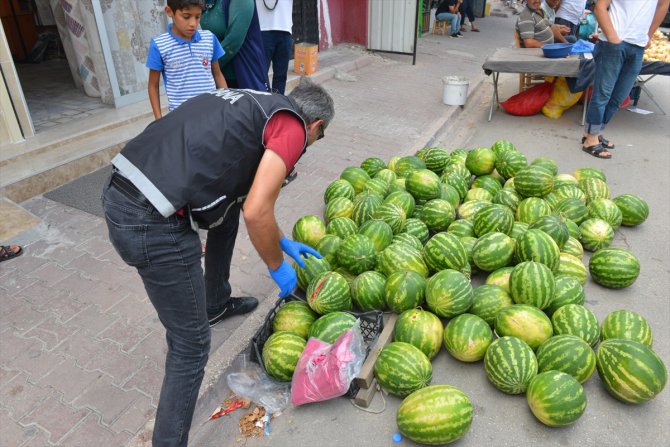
[407, 236]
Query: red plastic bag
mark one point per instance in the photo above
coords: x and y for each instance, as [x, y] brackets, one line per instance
[528, 102]
[325, 371]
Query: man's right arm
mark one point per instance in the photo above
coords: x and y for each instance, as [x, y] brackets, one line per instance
[240, 13]
[155, 66]
[605, 22]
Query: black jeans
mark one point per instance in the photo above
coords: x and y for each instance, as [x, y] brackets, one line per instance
[574, 29]
[467, 9]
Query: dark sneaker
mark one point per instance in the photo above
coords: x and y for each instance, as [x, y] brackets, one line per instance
[453, 36]
[459, 34]
[236, 306]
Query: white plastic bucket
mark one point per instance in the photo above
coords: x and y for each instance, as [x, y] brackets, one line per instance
[455, 90]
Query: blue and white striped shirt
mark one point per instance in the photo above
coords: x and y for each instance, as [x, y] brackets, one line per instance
[185, 64]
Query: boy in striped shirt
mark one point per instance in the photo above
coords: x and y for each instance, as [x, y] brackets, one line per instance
[185, 56]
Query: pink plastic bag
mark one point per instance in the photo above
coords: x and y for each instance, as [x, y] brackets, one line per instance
[325, 371]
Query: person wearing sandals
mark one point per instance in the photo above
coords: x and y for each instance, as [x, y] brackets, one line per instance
[466, 9]
[8, 252]
[627, 26]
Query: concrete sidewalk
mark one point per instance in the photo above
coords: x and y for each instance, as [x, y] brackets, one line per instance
[82, 352]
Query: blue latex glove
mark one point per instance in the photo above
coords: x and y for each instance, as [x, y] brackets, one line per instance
[285, 278]
[297, 250]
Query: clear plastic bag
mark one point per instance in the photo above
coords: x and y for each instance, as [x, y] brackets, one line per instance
[325, 371]
[247, 379]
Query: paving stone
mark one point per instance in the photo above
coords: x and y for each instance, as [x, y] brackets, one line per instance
[40, 293]
[36, 362]
[20, 396]
[106, 399]
[6, 375]
[103, 295]
[51, 273]
[109, 359]
[153, 347]
[51, 332]
[18, 282]
[14, 345]
[80, 346]
[12, 433]
[63, 305]
[37, 437]
[23, 316]
[132, 309]
[96, 246]
[127, 336]
[70, 380]
[148, 379]
[90, 432]
[55, 417]
[136, 416]
[92, 319]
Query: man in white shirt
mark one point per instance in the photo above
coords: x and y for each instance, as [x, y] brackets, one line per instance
[627, 27]
[570, 14]
[276, 20]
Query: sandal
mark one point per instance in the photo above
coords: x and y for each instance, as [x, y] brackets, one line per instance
[607, 144]
[474, 30]
[598, 151]
[8, 252]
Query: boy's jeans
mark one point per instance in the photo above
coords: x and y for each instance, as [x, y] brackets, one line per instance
[277, 45]
[166, 254]
[617, 67]
[455, 20]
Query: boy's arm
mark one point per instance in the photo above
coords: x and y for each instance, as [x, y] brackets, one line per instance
[240, 14]
[661, 10]
[154, 92]
[219, 79]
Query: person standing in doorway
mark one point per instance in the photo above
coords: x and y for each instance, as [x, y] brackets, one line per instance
[184, 56]
[276, 21]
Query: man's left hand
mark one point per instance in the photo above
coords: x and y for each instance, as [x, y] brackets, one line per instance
[297, 250]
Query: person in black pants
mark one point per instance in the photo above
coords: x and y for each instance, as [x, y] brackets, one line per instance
[466, 9]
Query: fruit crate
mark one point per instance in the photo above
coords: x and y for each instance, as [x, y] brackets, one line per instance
[372, 324]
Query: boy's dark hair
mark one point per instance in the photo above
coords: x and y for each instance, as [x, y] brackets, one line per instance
[181, 4]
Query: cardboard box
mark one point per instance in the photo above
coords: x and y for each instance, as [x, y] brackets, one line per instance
[306, 58]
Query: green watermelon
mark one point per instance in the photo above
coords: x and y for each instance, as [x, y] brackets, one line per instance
[295, 317]
[365, 205]
[338, 207]
[367, 291]
[500, 278]
[467, 337]
[532, 283]
[573, 229]
[594, 189]
[313, 266]
[448, 293]
[373, 165]
[417, 228]
[527, 323]
[356, 176]
[309, 229]
[488, 300]
[534, 181]
[462, 228]
[627, 325]
[509, 198]
[502, 147]
[379, 233]
[436, 159]
[357, 254]
[493, 218]
[400, 256]
[575, 319]
[330, 326]
[572, 267]
[583, 173]
[531, 209]
[490, 183]
[342, 227]
[518, 229]
[450, 194]
[392, 214]
[554, 226]
[573, 247]
[339, 188]
[387, 175]
[510, 163]
[281, 353]
[402, 368]
[546, 163]
[569, 354]
[478, 194]
[556, 399]
[405, 165]
[378, 186]
[606, 210]
[564, 179]
[634, 210]
[327, 247]
[568, 192]
[630, 371]
[493, 251]
[404, 200]
[510, 365]
[536, 245]
[480, 161]
[404, 290]
[468, 210]
[568, 291]
[573, 209]
[445, 251]
[595, 234]
[438, 214]
[456, 181]
[423, 184]
[419, 328]
[614, 267]
[435, 415]
[408, 239]
[328, 292]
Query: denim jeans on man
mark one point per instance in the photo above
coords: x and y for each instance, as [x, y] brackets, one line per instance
[166, 254]
[277, 46]
[455, 21]
[617, 67]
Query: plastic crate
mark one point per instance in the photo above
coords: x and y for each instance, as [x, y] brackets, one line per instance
[372, 324]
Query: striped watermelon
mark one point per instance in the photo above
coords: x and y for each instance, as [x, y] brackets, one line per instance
[575, 319]
[404, 200]
[546, 163]
[387, 175]
[462, 228]
[379, 233]
[338, 207]
[469, 245]
[438, 214]
[309, 230]
[356, 176]
[365, 205]
[417, 228]
[408, 239]
[402, 368]
[328, 292]
[554, 226]
[445, 251]
[569, 192]
[583, 173]
[571, 267]
[509, 184]
[367, 291]
[556, 399]
[534, 181]
[457, 182]
[569, 354]
[458, 156]
[493, 218]
[630, 371]
[531, 209]
[501, 147]
[405, 165]
[327, 247]
[373, 165]
[518, 229]
[490, 183]
[568, 291]
[450, 194]
[467, 337]
[536, 245]
[342, 227]
[435, 415]
[392, 214]
[480, 161]
[488, 300]
[357, 254]
[404, 290]
[573, 229]
[295, 317]
[399, 256]
[510, 163]
[378, 186]
[313, 267]
[532, 283]
[493, 251]
[397, 185]
[423, 184]
[509, 198]
[573, 209]
[564, 179]
[448, 293]
[634, 210]
[500, 278]
[468, 210]
[614, 267]
[627, 325]
[527, 323]
[573, 247]
[421, 329]
[436, 159]
[392, 162]
[281, 353]
[606, 210]
[339, 188]
[330, 326]
[510, 365]
[478, 194]
[594, 189]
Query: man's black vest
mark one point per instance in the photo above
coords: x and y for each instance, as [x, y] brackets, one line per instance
[204, 154]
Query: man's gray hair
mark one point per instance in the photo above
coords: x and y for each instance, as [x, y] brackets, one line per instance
[313, 101]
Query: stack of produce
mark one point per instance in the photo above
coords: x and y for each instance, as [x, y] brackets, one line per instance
[659, 48]
[407, 235]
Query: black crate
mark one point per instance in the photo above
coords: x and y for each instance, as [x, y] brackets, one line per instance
[372, 324]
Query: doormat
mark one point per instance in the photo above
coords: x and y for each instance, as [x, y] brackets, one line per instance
[84, 192]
